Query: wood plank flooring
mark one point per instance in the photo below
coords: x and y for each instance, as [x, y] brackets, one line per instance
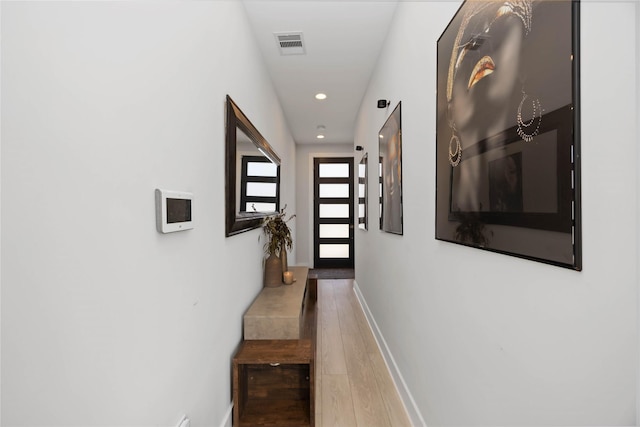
[353, 385]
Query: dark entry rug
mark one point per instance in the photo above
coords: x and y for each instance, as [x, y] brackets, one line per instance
[333, 273]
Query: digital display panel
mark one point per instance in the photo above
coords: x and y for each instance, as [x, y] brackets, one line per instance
[178, 210]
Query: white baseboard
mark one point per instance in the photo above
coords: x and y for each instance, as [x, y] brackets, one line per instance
[227, 420]
[401, 385]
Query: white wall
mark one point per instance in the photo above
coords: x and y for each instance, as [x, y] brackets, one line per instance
[0, 208]
[487, 339]
[104, 320]
[638, 205]
[304, 194]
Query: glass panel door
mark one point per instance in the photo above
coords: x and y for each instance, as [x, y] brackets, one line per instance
[259, 184]
[333, 212]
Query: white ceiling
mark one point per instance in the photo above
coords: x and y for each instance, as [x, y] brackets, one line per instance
[342, 40]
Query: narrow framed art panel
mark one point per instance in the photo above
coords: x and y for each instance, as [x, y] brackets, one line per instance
[508, 130]
[390, 157]
[363, 193]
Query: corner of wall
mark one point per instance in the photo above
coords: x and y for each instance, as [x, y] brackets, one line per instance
[226, 421]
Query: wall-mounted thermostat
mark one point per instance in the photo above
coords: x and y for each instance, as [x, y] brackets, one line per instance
[173, 211]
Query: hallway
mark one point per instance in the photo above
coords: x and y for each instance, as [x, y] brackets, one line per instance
[105, 102]
[353, 384]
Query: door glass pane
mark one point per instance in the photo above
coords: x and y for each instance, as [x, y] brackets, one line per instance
[261, 189]
[334, 211]
[334, 251]
[334, 170]
[334, 230]
[361, 190]
[262, 169]
[362, 170]
[334, 190]
[261, 207]
[361, 210]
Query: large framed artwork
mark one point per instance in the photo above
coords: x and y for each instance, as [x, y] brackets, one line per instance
[508, 130]
[390, 149]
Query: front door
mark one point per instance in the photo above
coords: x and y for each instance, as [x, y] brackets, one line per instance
[333, 212]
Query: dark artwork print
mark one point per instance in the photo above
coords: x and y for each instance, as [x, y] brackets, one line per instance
[390, 149]
[507, 156]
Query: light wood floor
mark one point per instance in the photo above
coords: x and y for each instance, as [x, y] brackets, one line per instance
[353, 384]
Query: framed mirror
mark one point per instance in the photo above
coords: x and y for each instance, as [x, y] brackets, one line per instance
[252, 172]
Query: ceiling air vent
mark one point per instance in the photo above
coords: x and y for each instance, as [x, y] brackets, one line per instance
[290, 43]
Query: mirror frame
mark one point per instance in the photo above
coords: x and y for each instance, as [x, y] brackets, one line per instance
[236, 222]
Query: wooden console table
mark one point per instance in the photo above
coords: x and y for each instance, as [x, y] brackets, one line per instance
[274, 368]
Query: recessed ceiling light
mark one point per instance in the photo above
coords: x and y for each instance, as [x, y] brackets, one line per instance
[321, 96]
[321, 129]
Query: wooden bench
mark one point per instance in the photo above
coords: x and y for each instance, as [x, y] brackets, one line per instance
[274, 368]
